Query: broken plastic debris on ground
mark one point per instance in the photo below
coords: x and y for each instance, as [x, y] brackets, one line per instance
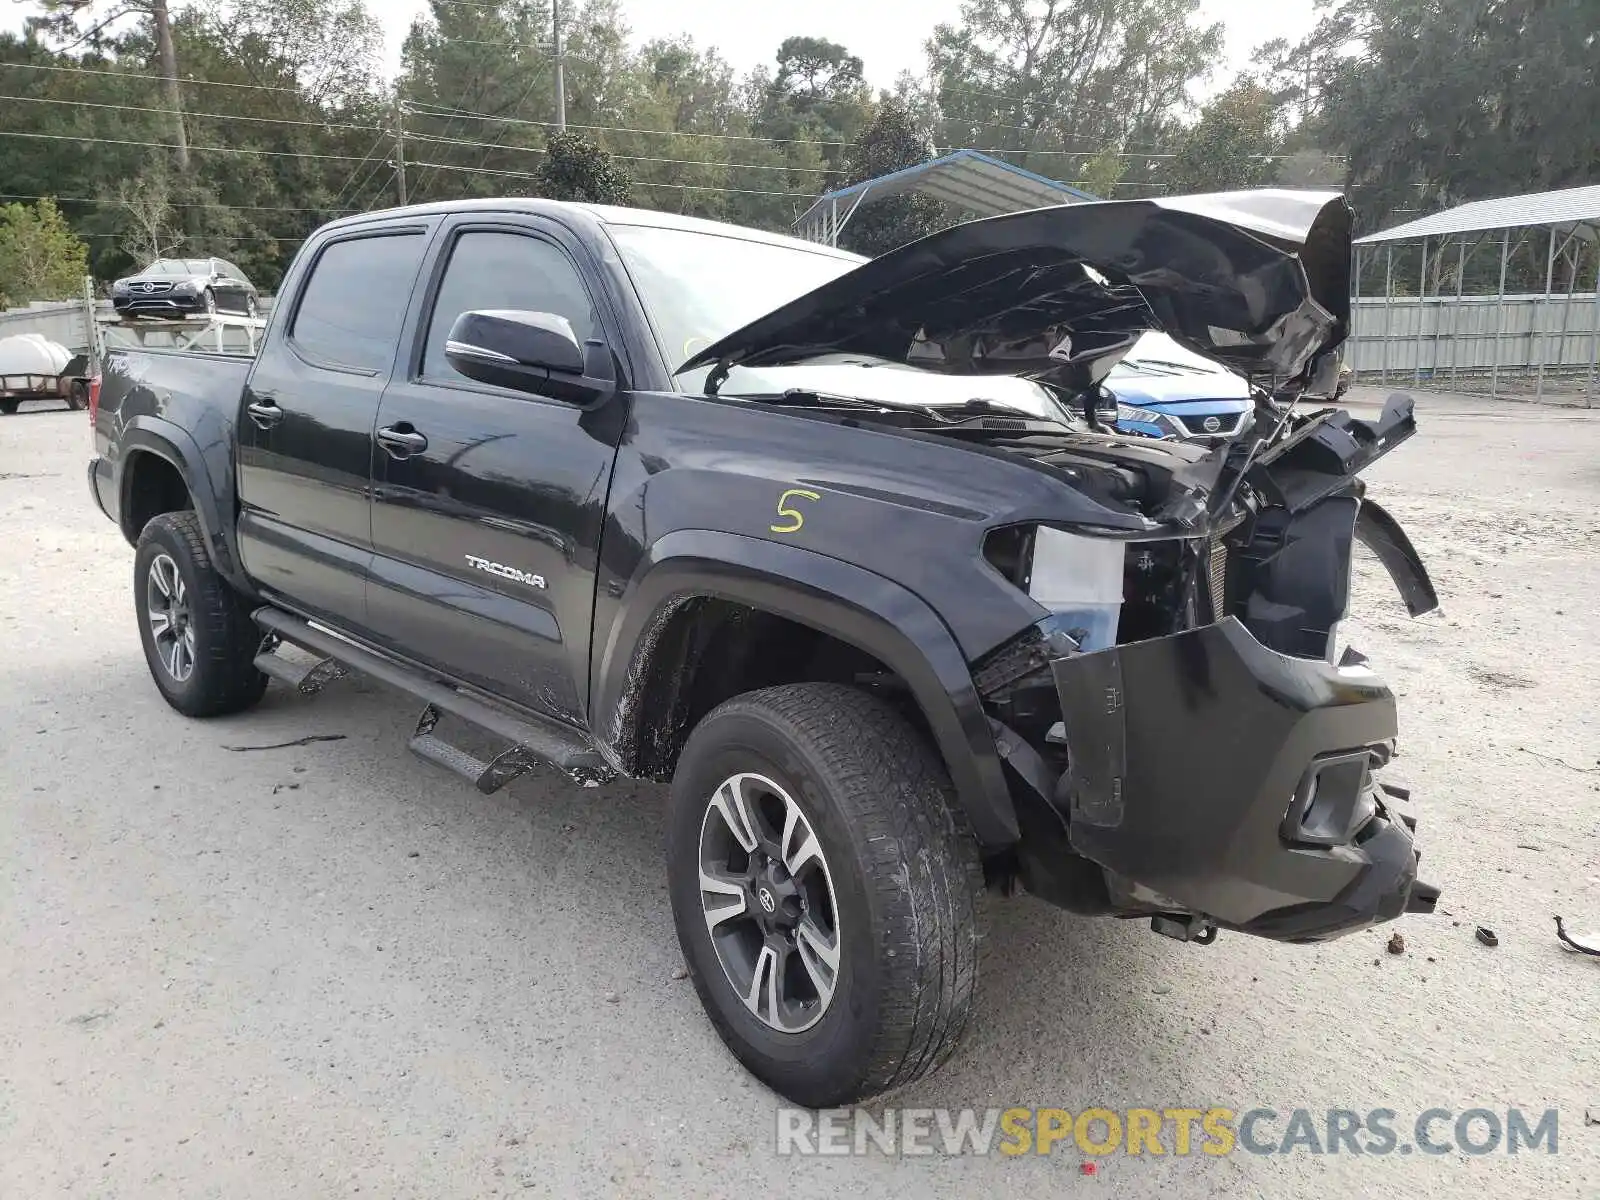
[1582, 943]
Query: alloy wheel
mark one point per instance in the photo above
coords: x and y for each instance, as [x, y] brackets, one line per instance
[768, 900]
[171, 623]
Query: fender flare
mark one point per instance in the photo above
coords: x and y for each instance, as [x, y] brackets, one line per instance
[152, 435]
[833, 597]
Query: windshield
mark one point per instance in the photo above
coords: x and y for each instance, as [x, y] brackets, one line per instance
[176, 266]
[1157, 354]
[698, 287]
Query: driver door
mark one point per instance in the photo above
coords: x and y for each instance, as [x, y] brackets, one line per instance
[488, 503]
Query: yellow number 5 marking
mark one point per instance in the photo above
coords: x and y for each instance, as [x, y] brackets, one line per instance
[796, 519]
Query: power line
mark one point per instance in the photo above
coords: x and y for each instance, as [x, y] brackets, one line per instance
[383, 136]
[682, 162]
[67, 137]
[413, 106]
[521, 100]
[443, 111]
[221, 237]
[635, 183]
[487, 6]
[440, 111]
[182, 204]
[258, 87]
[187, 113]
[455, 114]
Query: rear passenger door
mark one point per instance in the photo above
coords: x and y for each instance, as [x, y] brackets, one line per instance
[305, 430]
[232, 288]
[485, 527]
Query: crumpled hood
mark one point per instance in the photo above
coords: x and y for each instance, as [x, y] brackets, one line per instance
[1258, 281]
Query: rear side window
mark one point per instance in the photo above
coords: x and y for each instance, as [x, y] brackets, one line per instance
[493, 270]
[355, 301]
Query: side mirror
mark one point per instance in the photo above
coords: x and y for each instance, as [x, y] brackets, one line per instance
[534, 352]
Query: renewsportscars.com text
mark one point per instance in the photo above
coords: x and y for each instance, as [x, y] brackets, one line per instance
[1211, 1131]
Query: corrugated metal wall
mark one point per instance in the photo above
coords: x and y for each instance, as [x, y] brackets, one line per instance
[1443, 336]
[1472, 333]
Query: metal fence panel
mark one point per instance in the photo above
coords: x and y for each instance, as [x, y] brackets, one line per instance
[1443, 340]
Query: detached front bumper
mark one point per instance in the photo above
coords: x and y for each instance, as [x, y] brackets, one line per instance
[1212, 776]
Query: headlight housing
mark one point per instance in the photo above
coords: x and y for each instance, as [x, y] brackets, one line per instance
[1143, 416]
[120, 285]
[1077, 577]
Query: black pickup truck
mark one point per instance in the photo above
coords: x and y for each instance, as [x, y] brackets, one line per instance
[838, 548]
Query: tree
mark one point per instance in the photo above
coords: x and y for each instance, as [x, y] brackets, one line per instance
[889, 143]
[40, 257]
[574, 168]
[1044, 82]
[1438, 102]
[1102, 173]
[151, 225]
[62, 18]
[1310, 167]
[1232, 146]
[818, 94]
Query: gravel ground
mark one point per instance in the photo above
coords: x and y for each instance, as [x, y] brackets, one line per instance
[332, 969]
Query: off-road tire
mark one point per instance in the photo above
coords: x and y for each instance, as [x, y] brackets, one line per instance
[905, 873]
[224, 678]
[78, 395]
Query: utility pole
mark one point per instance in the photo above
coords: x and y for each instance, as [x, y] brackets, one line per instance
[400, 149]
[561, 75]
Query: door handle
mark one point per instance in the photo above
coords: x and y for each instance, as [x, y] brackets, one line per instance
[264, 413]
[401, 441]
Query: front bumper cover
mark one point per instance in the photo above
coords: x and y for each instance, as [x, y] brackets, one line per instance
[1212, 776]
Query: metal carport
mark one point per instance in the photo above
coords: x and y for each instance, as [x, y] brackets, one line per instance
[1470, 331]
[969, 181]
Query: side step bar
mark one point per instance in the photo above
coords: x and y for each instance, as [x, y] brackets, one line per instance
[530, 741]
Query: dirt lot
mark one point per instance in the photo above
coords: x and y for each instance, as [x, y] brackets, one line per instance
[331, 969]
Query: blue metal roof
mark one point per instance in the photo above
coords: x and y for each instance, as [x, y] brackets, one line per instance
[969, 180]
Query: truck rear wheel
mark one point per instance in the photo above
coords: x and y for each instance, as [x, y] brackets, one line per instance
[9, 406]
[199, 640]
[824, 895]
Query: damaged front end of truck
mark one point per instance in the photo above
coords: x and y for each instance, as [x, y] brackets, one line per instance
[1185, 738]
[1217, 766]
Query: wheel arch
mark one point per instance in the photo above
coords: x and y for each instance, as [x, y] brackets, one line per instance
[638, 666]
[153, 453]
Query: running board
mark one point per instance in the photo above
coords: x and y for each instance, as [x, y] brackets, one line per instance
[530, 739]
[306, 678]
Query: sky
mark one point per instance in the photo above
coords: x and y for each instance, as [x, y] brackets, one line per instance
[887, 34]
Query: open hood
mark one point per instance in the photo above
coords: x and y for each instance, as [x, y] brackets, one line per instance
[1258, 281]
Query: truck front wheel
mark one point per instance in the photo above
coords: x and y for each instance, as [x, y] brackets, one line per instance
[825, 896]
[198, 638]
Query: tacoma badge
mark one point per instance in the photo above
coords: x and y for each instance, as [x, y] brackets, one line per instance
[505, 572]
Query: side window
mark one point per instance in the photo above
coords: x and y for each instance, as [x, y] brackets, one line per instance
[353, 305]
[493, 270]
